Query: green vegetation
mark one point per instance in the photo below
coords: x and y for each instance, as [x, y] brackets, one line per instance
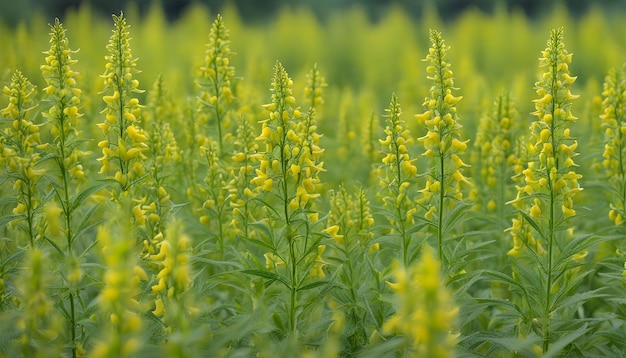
[210, 187]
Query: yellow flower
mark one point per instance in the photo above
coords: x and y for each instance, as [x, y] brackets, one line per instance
[375, 247]
[317, 270]
[333, 232]
[459, 146]
[535, 210]
[239, 157]
[267, 184]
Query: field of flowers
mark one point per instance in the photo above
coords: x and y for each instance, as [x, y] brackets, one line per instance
[313, 187]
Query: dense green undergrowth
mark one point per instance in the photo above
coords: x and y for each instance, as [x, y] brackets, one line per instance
[337, 188]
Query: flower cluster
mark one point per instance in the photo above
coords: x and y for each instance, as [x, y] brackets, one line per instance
[614, 122]
[315, 84]
[546, 187]
[550, 181]
[292, 151]
[398, 176]
[117, 301]
[395, 147]
[524, 237]
[21, 152]
[288, 175]
[306, 163]
[125, 140]
[39, 323]
[64, 95]
[240, 193]
[425, 312]
[216, 75]
[352, 214]
[63, 114]
[165, 152]
[174, 276]
[165, 155]
[192, 138]
[495, 153]
[274, 131]
[215, 207]
[442, 141]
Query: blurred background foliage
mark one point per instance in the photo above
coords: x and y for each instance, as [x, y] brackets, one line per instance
[253, 10]
[494, 48]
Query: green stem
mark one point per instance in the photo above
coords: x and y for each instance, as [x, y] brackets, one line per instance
[440, 211]
[30, 216]
[220, 232]
[65, 202]
[622, 171]
[547, 303]
[401, 214]
[551, 228]
[216, 87]
[73, 325]
[442, 95]
[290, 239]
[293, 285]
[119, 86]
[292, 252]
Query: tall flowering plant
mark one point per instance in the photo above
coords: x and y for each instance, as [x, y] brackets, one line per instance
[546, 255]
[443, 144]
[125, 141]
[287, 184]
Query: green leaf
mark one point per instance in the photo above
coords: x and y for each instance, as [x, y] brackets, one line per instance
[8, 199]
[263, 228]
[471, 278]
[579, 298]
[53, 244]
[388, 348]
[530, 284]
[16, 256]
[279, 322]
[556, 348]
[268, 275]
[4, 220]
[455, 215]
[577, 245]
[415, 228]
[266, 205]
[88, 248]
[532, 223]
[471, 310]
[260, 243]
[216, 263]
[501, 277]
[311, 249]
[84, 225]
[80, 197]
[313, 285]
[518, 346]
[46, 157]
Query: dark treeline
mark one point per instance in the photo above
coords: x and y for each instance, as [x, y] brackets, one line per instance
[12, 12]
